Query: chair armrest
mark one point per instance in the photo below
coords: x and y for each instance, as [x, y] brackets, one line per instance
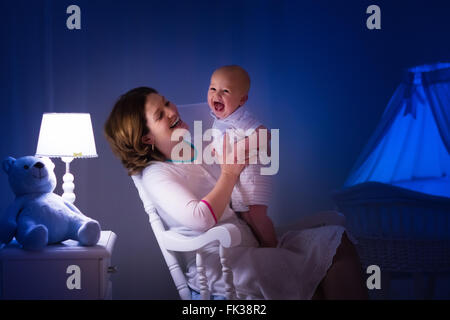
[323, 218]
[227, 234]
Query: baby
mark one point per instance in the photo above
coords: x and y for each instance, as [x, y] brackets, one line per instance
[227, 94]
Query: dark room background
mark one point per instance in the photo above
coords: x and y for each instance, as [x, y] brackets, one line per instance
[318, 74]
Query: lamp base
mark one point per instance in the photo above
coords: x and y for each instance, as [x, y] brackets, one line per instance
[68, 185]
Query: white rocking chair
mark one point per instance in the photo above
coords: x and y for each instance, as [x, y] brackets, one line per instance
[227, 235]
[170, 242]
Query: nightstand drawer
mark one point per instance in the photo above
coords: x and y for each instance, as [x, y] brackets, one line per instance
[63, 271]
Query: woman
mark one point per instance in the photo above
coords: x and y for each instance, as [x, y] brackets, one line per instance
[319, 263]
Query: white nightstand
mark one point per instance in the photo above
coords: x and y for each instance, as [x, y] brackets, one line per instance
[62, 271]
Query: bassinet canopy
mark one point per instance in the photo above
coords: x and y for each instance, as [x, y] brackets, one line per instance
[410, 147]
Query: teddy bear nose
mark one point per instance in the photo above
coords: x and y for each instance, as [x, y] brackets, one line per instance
[39, 165]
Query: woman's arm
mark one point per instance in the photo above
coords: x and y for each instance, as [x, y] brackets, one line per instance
[171, 193]
[220, 195]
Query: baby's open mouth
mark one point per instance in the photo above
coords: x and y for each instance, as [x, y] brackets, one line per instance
[218, 106]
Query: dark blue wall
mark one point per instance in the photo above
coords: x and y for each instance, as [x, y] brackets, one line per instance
[318, 74]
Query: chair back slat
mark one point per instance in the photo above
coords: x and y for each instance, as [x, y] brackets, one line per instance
[170, 257]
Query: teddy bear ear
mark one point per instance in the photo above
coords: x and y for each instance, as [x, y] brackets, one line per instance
[7, 164]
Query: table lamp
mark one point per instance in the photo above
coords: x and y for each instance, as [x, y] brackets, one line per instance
[67, 136]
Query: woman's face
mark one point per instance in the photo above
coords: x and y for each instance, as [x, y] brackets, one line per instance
[162, 120]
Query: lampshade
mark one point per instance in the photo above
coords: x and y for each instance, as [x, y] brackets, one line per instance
[66, 135]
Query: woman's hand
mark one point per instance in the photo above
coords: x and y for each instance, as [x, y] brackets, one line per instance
[232, 169]
[229, 163]
[220, 196]
[246, 152]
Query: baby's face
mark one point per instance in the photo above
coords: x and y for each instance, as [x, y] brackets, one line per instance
[226, 93]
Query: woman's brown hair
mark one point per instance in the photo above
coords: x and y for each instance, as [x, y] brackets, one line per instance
[125, 127]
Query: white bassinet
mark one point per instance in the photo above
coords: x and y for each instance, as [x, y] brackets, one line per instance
[396, 228]
[396, 199]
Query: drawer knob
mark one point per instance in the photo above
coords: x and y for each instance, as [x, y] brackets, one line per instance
[112, 269]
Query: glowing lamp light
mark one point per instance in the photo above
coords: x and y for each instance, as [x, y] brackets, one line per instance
[66, 136]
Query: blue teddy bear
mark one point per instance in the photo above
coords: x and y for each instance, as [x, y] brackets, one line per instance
[38, 216]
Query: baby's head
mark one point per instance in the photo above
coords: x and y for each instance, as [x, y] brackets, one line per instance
[228, 90]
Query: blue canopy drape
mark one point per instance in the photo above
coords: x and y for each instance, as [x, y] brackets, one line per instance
[412, 140]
